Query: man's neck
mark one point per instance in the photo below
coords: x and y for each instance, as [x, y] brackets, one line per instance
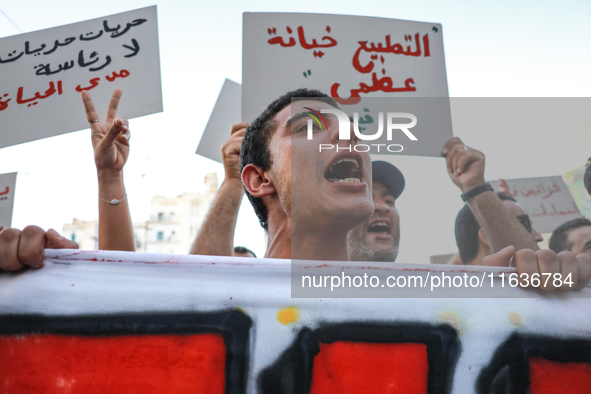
[283, 244]
[279, 241]
[320, 246]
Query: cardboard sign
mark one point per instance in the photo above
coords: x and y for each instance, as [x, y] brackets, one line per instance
[43, 73]
[97, 322]
[226, 113]
[575, 181]
[546, 200]
[7, 186]
[351, 58]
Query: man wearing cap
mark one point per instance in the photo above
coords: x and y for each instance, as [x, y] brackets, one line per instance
[377, 238]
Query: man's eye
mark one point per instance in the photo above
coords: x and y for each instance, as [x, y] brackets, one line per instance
[390, 203]
[304, 127]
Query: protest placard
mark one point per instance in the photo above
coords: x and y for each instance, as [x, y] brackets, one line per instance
[351, 58]
[43, 73]
[226, 113]
[7, 186]
[546, 199]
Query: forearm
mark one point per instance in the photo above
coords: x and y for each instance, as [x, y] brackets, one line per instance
[499, 225]
[115, 230]
[216, 236]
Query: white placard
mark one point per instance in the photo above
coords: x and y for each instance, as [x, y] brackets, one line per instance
[350, 58]
[226, 113]
[44, 71]
[546, 199]
[7, 186]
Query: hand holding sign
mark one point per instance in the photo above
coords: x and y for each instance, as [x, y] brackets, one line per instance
[110, 138]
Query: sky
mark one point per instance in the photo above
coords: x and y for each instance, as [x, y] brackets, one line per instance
[502, 49]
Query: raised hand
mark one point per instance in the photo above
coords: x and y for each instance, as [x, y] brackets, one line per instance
[465, 165]
[110, 139]
[231, 151]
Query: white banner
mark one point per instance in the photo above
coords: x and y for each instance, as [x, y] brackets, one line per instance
[110, 321]
[43, 73]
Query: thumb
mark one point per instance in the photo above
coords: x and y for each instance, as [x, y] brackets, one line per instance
[500, 259]
[55, 241]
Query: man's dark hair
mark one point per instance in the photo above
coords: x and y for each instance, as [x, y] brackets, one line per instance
[466, 229]
[243, 250]
[255, 145]
[587, 177]
[558, 241]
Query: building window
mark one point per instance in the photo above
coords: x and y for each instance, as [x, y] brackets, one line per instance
[73, 237]
[160, 216]
[160, 236]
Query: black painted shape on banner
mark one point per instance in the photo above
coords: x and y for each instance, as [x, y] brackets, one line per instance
[292, 372]
[508, 370]
[234, 326]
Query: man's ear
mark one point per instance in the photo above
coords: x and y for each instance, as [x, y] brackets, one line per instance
[257, 182]
[482, 237]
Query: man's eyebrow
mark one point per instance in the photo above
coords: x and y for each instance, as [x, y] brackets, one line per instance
[388, 193]
[294, 118]
[587, 244]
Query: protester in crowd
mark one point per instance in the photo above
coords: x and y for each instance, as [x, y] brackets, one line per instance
[573, 236]
[466, 170]
[241, 251]
[216, 236]
[471, 239]
[377, 238]
[332, 190]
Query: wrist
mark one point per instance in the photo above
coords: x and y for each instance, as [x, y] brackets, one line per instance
[233, 182]
[471, 185]
[484, 187]
[109, 175]
[111, 182]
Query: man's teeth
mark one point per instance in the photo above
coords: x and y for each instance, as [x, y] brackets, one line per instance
[347, 160]
[380, 224]
[348, 180]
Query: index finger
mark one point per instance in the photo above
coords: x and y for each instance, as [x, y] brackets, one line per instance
[89, 106]
[238, 126]
[113, 105]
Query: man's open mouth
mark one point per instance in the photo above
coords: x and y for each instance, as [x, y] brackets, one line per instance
[379, 227]
[346, 170]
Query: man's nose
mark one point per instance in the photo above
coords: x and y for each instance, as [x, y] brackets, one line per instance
[351, 137]
[537, 236]
[380, 205]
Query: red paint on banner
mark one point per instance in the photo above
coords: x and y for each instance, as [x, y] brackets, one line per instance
[359, 367]
[172, 364]
[550, 377]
